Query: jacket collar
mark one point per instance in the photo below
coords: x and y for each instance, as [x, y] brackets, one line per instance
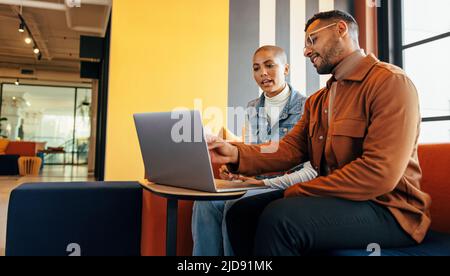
[293, 106]
[360, 72]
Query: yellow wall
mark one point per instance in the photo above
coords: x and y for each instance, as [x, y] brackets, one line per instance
[164, 54]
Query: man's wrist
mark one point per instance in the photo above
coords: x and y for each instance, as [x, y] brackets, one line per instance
[235, 155]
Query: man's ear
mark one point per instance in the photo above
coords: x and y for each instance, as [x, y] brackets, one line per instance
[342, 28]
[287, 68]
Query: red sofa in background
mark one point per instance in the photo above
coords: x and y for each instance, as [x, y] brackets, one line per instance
[23, 148]
[434, 160]
[16, 149]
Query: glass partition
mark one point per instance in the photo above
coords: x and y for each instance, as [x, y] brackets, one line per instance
[60, 117]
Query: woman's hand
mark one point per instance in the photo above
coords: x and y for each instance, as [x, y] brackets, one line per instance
[226, 175]
[251, 181]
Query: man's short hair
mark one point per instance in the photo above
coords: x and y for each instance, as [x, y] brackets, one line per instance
[334, 16]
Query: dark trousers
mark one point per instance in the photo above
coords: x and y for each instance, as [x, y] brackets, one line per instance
[270, 225]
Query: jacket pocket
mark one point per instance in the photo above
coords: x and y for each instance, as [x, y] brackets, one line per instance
[347, 140]
[349, 127]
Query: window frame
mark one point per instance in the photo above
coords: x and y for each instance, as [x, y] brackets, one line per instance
[75, 91]
[390, 39]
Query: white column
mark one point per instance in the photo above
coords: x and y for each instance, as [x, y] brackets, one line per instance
[267, 22]
[298, 61]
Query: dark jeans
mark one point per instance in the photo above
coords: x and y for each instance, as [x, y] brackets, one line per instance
[270, 225]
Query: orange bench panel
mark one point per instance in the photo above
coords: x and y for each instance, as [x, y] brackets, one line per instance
[154, 212]
[435, 164]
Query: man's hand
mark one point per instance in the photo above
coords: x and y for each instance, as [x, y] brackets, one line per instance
[221, 152]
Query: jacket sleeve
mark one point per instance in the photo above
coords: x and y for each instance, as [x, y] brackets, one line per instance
[387, 148]
[275, 156]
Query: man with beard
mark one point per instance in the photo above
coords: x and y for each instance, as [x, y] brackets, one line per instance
[360, 133]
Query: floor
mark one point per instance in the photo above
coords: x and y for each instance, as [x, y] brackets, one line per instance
[49, 174]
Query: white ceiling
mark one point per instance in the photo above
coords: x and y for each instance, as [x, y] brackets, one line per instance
[59, 42]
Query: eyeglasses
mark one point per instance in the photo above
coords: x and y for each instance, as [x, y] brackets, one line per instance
[309, 42]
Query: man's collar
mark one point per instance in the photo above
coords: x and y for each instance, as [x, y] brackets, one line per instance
[348, 64]
[361, 69]
[262, 97]
[293, 106]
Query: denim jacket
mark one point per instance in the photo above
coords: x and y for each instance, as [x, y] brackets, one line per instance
[257, 127]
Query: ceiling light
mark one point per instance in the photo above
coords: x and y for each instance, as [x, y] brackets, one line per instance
[36, 50]
[21, 27]
[28, 40]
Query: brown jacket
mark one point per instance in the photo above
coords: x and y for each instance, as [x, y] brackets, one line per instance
[370, 146]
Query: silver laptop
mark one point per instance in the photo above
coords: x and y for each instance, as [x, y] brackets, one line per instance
[175, 152]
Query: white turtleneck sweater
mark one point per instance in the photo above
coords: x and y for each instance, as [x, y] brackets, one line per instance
[275, 105]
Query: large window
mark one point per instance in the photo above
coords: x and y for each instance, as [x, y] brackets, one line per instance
[426, 59]
[60, 117]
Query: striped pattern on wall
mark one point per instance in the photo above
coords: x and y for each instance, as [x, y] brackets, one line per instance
[254, 23]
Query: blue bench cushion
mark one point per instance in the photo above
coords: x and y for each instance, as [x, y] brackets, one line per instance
[435, 244]
[103, 218]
